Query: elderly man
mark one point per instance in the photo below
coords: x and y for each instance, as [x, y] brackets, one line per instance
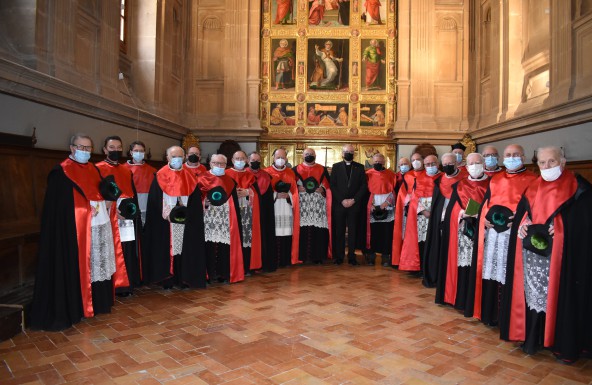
[247, 191]
[224, 255]
[491, 156]
[459, 228]
[404, 167]
[458, 149]
[143, 174]
[286, 209]
[493, 239]
[266, 216]
[379, 215]
[76, 253]
[440, 199]
[314, 194]
[192, 162]
[126, 230]
[546, 300]
[420, 204]
[348, 188]
[173, 242]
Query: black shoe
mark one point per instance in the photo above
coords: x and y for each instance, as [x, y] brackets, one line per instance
[353, 262]
[338, 262]
[386, 260]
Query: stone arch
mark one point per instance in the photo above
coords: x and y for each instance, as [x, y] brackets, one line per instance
[213, 35]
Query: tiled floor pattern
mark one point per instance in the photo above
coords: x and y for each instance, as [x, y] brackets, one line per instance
[301, 325]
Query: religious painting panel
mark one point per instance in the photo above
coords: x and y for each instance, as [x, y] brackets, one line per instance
[372, 115]
[283, 11]
[283, 64]
[329, 13]
[373, 72]
[282, 114]
[374, 12]
[328, 61]
[327, 114]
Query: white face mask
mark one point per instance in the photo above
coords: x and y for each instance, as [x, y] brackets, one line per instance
[475, 170]
[416, 164]
[279, 162]
[551, 174]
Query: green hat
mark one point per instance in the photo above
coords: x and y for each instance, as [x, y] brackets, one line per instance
[538, 240]
[310, 185]
[109, 189]
[217, 196]
[499, 217]
[128, 208]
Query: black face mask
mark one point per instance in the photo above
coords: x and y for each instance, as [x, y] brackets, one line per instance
[255, 165]
[348, 157]
[449, 169]
[115, 155]
[309, 158]
[378, 166]
[193, 158]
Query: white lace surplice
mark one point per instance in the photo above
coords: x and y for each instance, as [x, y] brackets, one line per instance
[217, 223]
[177, 229]
[536, 280]
[495, 255]
[102, 251]
[313, 210]
[283, 217]
[422, 221]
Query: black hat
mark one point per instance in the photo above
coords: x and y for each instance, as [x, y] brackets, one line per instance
[458, 145]
[109, 189]
[282, 187]
[469, 227]
[379, 214]
[498, 216]
[128, 208]
[178, 215]
[310, 185]
[217, 196]
[538, 240]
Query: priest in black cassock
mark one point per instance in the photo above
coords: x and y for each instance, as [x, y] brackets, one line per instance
[73, 277]
[173, 240]
[547, 299]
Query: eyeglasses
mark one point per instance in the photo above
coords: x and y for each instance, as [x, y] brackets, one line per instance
[219, 164]
[82, 148]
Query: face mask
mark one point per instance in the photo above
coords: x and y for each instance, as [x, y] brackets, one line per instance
[138, 156]
[82, 156]
[378, 166]
[279, 162]
[309, 158]
[416, 164]
[239, 164]
[551, 174]
[513, 163]
[348, 156]
[404, 168]
[490, 161]
[114, 155]
[176, 163]
[475, 170]
[193, 158]
[255, 165]
[218, 171]
[449, 169]
[458, 157]
[432, 170]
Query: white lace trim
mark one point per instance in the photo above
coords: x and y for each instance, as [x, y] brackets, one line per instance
[283, 217]
[177, 231]
[422, 221]
[495, 255]
[536, 280]
[246, 213]
[102, 253]
[217, 224]
[465, 249]
[313, 210]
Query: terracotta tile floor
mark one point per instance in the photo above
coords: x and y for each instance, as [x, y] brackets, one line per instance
[302, 325]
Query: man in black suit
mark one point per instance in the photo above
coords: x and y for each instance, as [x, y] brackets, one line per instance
[348, 186]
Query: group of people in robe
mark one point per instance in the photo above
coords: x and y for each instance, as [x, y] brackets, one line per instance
[503, 245]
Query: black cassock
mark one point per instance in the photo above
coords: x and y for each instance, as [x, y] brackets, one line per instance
[190, 266]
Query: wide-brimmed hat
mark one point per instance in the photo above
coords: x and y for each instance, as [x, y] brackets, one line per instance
[128, 208]
[178, 215]
[538, 240]
[109, 189]
[217, 196]
[499, 217]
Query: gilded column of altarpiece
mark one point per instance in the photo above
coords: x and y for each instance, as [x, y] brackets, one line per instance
[328, 77]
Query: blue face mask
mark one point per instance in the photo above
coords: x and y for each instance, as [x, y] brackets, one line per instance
[81, 156]
[513, 163]
[138, 156]
[404, 168]
[176, 163]
[239, 164]
[458, 157]
[432, 170]
[218, 171]
[490, 161]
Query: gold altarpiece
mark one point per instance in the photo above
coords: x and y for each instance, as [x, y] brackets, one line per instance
[328, 78]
